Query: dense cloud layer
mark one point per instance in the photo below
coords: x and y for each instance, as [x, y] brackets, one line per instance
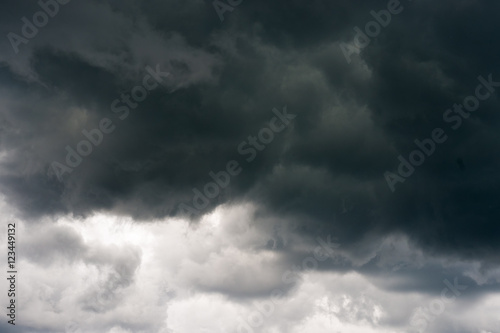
[210, 86]
[117, 275]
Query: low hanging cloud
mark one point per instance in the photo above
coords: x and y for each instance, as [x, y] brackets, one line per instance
[181, 276]
[163, 120]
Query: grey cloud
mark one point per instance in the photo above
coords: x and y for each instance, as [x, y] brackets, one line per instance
[324, 175]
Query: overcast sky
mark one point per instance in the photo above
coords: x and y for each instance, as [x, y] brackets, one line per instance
[242, 166]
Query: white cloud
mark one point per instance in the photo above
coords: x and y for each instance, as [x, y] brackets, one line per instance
[111, 274]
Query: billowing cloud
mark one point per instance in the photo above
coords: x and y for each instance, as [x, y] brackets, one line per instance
[220, 276]
[232, 146]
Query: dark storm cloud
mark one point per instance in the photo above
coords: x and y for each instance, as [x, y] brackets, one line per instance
[353, 120]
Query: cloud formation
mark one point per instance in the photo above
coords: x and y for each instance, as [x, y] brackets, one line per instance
[324, 175]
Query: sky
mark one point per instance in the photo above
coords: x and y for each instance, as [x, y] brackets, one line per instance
[237, 166]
